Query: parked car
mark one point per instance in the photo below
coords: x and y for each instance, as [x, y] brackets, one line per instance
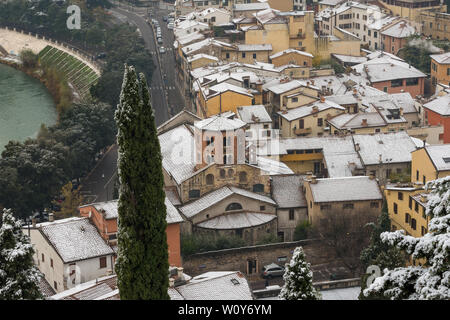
[165, 18]
[160, 41]
[162, 50]
[272, 270]
[170, 26]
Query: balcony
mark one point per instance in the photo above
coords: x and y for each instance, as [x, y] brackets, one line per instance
[299, 35]
[301, 132]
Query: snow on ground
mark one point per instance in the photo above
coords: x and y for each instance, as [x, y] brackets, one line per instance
[334, 294]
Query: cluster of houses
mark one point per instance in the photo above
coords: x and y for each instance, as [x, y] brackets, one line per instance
[268, 139]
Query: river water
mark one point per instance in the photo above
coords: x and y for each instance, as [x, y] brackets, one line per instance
[25, 104]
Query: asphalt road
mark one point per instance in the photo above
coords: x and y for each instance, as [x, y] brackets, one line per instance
[158, 94]
[166, 98]
[98, 186]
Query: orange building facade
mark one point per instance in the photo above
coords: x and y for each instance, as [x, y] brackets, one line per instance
[106, 224]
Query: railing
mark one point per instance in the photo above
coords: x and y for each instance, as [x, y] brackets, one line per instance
[73, 49]
[302, 131]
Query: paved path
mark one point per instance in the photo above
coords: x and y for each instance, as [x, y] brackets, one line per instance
[98, 186]
[159, 101]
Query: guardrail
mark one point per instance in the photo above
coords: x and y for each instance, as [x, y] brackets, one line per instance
[73, 49]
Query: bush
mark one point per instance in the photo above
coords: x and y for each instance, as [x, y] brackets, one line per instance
[302, 230]
[195, 243]
[29, 59]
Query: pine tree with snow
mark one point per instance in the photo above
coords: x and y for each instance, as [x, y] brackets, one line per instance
[19, 277]
[432, 280]
[379, 253]
[297, 277]
[142, 263]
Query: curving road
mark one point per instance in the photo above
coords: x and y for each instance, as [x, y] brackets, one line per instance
[166, 98]
[159, 101]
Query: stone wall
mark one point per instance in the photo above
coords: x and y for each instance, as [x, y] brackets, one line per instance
[238, 259]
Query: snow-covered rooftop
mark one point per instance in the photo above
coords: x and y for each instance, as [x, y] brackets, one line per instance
[349, 59]
[439, 105]
[287, 191]
[219, 123]
[76, 239]
[385, 68]
[353, 121]
[202, 56]
[214, 285]
[92, 290]
[440, 156]
[394, 147]
[443, 58]
[237, 221]
[401, 29]
[109, 208]
[287, 51]
[193, 208]
[254, 47]
[251, 6]
[254, 114]
[357, 188]
[306, 110]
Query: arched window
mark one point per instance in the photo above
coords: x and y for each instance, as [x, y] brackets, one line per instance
[258, 187]
[222, 173]
[209, 179]
[242, 176]
[234, 206]
[230, 172]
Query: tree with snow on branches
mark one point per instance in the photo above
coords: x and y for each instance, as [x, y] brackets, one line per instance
[298, 279]
[432, 280]
[19, 277]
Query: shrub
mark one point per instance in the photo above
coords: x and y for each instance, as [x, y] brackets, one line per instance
[302, 230]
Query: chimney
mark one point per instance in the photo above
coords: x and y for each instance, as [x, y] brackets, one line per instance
[380, 159]
[401, 111]
[51, 217]
[312, 82]
[355, 91]
[357, 148]
[315, 109]
[180, 273]
[322, 98]
[364, 122]
[171, 282]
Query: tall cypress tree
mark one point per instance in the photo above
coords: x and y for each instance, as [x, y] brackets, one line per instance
[142, 262]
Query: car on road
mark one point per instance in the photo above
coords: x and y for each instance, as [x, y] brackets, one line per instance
[170, 26]
[160, 41]
[165, 18]
[162, 50]
[272, 270]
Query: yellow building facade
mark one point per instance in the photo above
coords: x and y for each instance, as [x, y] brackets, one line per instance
[424, 166]
[223, 102]
[406, 208]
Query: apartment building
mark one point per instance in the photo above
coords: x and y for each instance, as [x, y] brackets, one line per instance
[440, 68]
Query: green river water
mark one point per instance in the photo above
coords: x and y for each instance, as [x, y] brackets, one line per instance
[25, 104]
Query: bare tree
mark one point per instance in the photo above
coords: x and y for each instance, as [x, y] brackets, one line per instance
[345, 232]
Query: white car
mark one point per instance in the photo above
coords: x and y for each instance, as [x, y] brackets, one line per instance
[162, 50]
[170, 26]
